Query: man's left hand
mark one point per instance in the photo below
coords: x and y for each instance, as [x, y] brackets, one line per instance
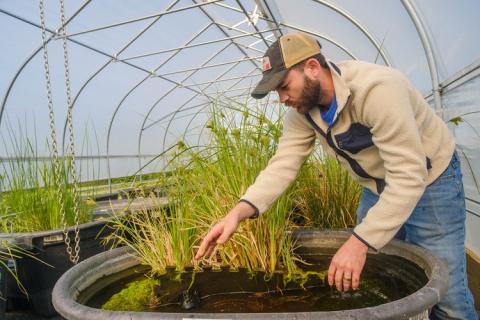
[347, 265]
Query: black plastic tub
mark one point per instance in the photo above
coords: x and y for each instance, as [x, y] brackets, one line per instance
[39, 278]
[49, 247]
[77, 286]
[3, 288]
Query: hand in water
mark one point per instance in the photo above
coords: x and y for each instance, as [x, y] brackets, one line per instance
[347, 265]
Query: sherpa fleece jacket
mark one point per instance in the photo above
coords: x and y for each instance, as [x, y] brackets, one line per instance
[384, 133]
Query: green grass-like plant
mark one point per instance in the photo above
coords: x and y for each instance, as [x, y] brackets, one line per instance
[29, 199]
[326, 196]
[205, 181]
[208, 180]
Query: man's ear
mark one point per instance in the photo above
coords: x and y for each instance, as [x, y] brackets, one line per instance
[312, 67]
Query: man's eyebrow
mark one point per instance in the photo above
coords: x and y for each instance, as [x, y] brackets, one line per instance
[281, 84]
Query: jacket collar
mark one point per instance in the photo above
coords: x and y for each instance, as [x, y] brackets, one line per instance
[342, 91]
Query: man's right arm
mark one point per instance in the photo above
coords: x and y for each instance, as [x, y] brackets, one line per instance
[295, 145]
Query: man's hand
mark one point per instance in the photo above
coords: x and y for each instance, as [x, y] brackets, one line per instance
[347, 265]
[223, 230]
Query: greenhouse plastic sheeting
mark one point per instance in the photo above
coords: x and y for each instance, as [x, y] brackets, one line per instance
[145, 73]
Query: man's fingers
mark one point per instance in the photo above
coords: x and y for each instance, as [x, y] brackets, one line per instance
[339, 280]
[331, 274]
[347, 281]
[355, 280]
[203, 246]
[201, 250]
[210, 249]
[208, 240]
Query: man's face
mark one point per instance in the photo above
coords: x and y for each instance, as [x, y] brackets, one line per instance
[299, 91]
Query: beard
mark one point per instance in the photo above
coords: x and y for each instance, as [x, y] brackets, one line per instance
[309, 97]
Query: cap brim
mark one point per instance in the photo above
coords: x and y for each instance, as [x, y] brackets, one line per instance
[268, 83]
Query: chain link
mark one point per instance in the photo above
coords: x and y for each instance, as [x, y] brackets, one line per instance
[74, 253]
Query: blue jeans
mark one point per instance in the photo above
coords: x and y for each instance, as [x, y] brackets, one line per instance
[438, 224]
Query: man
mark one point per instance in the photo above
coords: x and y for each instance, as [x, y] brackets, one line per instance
[383, 131]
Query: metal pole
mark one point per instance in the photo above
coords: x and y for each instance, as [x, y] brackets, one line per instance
[157, 15]
[426, 42]
[264, 7]
[359, 26]
[195, 45]
[54, 33]
[138, 85]
[348, 52]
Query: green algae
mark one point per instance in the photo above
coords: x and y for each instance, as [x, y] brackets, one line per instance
[135, 297]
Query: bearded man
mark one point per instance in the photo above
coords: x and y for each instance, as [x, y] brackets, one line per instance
[382, 130]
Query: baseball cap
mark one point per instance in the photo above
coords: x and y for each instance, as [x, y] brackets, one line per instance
[284, 53]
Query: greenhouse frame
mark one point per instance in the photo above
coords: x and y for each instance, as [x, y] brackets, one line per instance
[114, 88]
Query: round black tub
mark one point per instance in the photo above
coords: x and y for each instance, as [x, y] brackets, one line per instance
[100, 271]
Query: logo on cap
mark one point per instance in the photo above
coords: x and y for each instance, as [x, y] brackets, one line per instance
[266, 64]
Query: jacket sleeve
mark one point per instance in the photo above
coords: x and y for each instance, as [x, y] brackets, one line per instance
[295, 145]
[388, 110]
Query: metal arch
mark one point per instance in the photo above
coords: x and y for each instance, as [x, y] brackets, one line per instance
[211, 65]
[231, 38]
[226, 79]
[264, 7]
[174, 112]
[359, 26]
[226, 6]
[133, 89]
[348, 52]
[345, 14]
[203, 105]
[273, 29]
[247, 15]
[142, 128]
[251, 45]
[224, 32]
[427, 47]
[218, 77]
[186, 78]
[179, 109]
[112, 59]
[27, 61]
[229, 88]
[142, 18]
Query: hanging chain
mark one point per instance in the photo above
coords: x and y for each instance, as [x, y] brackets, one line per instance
[74, 257]
[71, 155]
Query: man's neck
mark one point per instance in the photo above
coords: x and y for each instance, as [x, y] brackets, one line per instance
[326, 83]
